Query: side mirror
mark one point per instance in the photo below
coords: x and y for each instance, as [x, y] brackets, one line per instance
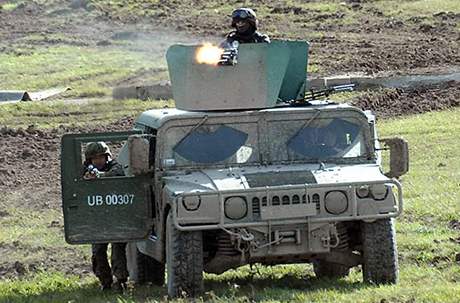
[399, 156]
[140, 147]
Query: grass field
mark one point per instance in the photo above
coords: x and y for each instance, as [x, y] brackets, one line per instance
[88, 71]
[429, 248]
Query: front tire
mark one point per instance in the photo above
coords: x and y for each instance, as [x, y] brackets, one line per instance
[184, 261]
[324, 269]
[380, 254]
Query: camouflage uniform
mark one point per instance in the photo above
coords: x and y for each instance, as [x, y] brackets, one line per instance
[249, 36]
[101, 267]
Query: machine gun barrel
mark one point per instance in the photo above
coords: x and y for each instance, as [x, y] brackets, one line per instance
[314, 95]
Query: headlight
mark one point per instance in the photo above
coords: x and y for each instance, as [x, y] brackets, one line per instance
[191, 203]
[379, 191]
[362, 191]
[336, 202]
[236, 208]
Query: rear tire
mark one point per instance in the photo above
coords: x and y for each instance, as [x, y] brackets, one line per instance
[184, 261]
[143, 268]
[150, 270]
[324, 269]
[380, 254]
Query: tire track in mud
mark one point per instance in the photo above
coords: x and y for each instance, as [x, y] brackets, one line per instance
[388, 103]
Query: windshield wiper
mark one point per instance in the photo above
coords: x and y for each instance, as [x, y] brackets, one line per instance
[202, 121]
[306, 124]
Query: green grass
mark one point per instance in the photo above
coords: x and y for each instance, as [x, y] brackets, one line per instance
[51, 114]
[88, 71]
[418, 7]
[9, 6]
[279, 284]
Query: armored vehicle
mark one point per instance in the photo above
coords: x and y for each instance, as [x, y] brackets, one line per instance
[241, 172]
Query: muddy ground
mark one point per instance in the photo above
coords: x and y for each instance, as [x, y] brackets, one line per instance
[371, 43]
[29, 158]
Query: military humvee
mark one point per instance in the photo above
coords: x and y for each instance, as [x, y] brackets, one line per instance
[235, 175]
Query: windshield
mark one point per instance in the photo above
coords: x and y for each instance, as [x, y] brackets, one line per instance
[319, 139]
[308, 139]
[206, 145]
[217, 143]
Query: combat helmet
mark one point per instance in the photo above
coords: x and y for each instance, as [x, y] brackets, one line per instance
[245, 14]
[94, 149]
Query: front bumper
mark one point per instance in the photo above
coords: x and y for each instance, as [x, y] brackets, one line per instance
[310, 207]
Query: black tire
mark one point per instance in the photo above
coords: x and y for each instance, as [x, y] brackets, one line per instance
[184, 261]
[380, 254]
[324, 269]
[150, 270]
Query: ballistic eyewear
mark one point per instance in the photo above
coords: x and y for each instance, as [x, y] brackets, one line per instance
[241, 14]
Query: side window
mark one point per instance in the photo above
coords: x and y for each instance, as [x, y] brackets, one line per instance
[99, 159]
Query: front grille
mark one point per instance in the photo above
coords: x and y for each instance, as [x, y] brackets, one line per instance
[295, 199]
[315, 199]
[275, 200]
[256, 206]
[286, 200]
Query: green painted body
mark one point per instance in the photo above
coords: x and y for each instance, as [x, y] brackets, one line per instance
[106, 209]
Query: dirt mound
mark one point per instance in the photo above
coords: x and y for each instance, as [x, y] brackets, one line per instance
[396, 102]
[30, 157]
[64, 259]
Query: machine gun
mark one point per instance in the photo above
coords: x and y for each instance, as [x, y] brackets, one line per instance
[230, 54]
[324, 93]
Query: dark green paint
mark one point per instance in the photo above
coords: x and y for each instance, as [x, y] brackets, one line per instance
[104, 223]
[295, 78]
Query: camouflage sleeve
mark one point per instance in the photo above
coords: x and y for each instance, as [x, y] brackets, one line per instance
[264, 38]
[261, 38]
[115, 170]
[227, 43]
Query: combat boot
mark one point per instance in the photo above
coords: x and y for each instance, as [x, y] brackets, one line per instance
[119, 285]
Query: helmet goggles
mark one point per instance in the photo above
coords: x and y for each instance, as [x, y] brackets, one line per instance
[242, 14]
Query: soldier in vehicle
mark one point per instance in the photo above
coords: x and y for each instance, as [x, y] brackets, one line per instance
[329, 141]
[99, 164]
[245, 22]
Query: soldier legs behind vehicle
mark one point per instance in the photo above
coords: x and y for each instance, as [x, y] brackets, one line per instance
[118, 260]
[101, 267]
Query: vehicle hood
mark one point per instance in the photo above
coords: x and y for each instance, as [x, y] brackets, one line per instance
[279, 175]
